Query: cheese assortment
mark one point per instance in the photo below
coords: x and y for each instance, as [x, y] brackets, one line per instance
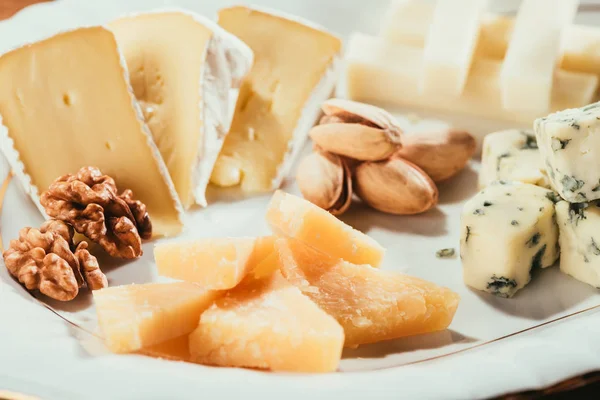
[507, 230]
[185, 71]
[279, 99]
[402, 69]
[512, 155]
[88, 116]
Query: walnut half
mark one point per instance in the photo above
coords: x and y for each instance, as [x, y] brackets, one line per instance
[42, 259]
[89, 201]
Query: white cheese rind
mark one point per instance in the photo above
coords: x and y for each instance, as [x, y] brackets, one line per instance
[569, 143]
[450, 45]
[507, 229]
[580, 241]
[533, 52]
[512, 155]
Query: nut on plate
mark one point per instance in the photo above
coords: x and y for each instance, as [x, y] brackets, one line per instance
[357, 130]
[42, 259]
[395, 186]
[324, 179]
[89, 202]
[441, 154]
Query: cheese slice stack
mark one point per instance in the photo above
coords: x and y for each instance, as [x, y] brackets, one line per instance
[279, 100]
[66, 103]
[184, 70]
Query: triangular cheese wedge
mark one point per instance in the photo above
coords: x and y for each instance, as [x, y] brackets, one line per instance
[184, 70]
[132, 317]
[268, 324]
[65, 103]
[371, 304]
[280, 99]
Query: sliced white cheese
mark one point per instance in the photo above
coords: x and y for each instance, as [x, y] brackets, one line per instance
[580, 240]
[450, 45]
[512, 155]
[407, 22]
[507, 230]
[185, 71]
[533, 52]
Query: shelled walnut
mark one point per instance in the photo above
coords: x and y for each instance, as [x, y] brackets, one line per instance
[360, 148]
[45, 259]
[88, 200]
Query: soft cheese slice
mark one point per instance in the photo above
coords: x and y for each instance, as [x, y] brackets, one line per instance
[177, 349]
[184, 70]
[133, 317]
[65, 103]
[297, 218]
[532, 55]
[507, 230]
[512, 155]
[268, 324]
[569, 142]
[579, 241]
[371, 304]
[381, 72]
[279, 100]
[214, 263]
[450, 45]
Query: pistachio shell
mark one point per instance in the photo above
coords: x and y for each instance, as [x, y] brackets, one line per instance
[395, 186]
[356, 141]
[441, 154]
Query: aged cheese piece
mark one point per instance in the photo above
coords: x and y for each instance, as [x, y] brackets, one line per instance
[133, 317]
[184, 70]
[507, 229]
[569, 143]
[579, 240]
[450, 45]
[512, 155]
[408, 21]
[214, 263]
[64, 104]
[177, 349]
[294, 217]
[371, 304]
[268, 324]
[382, 72]
[279, 100]
[530, 61]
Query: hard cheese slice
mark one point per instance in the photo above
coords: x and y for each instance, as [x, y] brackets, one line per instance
[294, 217]
[212, 263]
[377, 71]
[268, 324]
[279, 100]
[528, 69]
[133, 317]
[65, 103]
[183, 68]
[450, 45]
[177, 349]
[371, 304]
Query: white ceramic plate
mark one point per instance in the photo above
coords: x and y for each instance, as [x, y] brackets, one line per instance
[546, 333]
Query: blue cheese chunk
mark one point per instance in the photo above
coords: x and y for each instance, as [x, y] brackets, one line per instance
[507, 229]
[580, 240]
[512, 155]
[569, 143]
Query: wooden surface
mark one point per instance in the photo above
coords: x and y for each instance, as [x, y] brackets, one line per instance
[582, 387]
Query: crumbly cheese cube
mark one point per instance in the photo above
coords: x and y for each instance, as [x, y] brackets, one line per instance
[507, 229]
[133, 317]
[300, 219]
[213, 263]
[569, 143]
[532, 55]
[269, 324]
[512, 155]
[450, 45]
[580, 240]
